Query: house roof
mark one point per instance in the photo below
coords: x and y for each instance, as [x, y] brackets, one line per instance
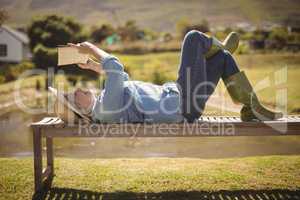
[22, 37]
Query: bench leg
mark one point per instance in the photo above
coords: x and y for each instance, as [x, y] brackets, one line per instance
[50, 160]
[38, 163]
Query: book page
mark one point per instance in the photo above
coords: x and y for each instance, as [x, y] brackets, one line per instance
[71, 55]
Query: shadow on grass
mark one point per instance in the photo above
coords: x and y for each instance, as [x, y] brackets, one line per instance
[74, 194]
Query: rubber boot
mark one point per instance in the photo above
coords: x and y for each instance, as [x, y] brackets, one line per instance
[241, 91]
[230, 44]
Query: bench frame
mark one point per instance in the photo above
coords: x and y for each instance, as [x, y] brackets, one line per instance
[51, 127]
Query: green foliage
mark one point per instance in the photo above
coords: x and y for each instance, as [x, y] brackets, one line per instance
[47, 32]
[279, 34]
[54, 30]
[44, 57]
[99, 34]
[278, 38]
[12, 72]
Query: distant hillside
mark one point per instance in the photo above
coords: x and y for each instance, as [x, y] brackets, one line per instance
[156, 14]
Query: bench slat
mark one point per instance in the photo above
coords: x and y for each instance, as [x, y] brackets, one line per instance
[205, 126]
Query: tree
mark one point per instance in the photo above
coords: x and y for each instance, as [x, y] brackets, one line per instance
[47, 32]
[99, 34]
[53, 30]
[44, 57]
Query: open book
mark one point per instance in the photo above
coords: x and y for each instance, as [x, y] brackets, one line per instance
[70, 55]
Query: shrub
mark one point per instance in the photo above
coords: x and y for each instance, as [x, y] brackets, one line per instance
[99, 34]
[53, 30]
[12, 72]
[278, 38]
[44, 57]
[47, 32]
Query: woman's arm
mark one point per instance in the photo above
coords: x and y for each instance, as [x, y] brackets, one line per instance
[89, 48]
[110, 107]
[92, 65]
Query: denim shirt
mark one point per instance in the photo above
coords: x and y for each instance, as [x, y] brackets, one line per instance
[126, 101]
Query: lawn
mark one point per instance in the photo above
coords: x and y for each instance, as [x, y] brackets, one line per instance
[155, 175]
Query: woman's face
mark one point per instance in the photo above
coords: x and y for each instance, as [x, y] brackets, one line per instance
[83, 99]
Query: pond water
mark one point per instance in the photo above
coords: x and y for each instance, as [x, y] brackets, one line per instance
[16, 141]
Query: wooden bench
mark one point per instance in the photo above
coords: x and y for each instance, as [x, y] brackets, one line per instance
[51, 127]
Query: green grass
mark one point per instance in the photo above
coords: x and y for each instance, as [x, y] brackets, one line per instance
[155, 175]
[29, 82]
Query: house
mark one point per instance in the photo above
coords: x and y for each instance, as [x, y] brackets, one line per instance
[14, 45]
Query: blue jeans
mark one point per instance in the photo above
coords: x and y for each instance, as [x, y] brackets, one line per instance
[198, 76]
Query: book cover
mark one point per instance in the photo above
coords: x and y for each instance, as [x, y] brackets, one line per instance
[70, 55]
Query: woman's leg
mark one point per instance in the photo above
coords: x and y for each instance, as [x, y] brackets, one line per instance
[192, 74]
[198, 76]
[221, 65]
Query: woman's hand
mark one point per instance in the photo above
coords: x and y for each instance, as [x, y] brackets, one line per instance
[85, 47]
[89, 48]
[92, 65]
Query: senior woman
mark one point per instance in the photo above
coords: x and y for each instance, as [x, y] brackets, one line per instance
[204, 61]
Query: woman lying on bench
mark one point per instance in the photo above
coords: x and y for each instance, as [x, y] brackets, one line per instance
[204, 61]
